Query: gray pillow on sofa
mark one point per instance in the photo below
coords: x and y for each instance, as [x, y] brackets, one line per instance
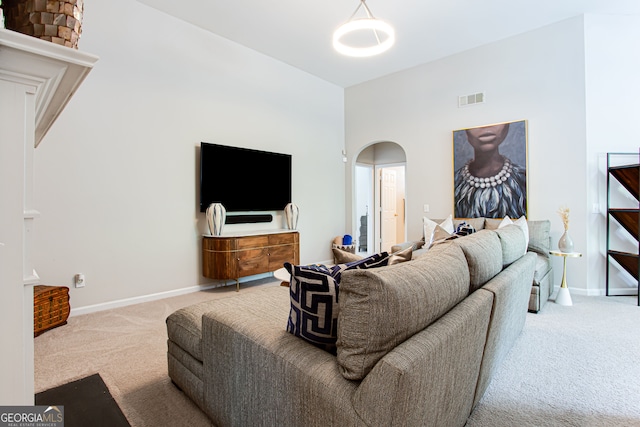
[513, 243]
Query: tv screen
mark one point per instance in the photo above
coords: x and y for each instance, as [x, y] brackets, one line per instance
[243, 179]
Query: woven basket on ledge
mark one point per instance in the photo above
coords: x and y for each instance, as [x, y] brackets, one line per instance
[59, 22]
[50, 307]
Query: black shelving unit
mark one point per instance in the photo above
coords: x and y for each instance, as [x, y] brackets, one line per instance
[628, 175]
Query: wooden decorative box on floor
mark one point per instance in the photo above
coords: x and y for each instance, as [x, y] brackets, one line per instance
[50, 307]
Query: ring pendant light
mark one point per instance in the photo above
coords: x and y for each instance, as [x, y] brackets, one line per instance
[360, 24]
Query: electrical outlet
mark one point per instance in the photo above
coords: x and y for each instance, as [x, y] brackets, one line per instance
[79, 280]
[426, 208]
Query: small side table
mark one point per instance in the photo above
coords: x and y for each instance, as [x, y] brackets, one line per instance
[283, 275]
[564, 297]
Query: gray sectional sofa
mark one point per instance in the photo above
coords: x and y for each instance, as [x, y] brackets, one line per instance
[539, 244]
[417, 342]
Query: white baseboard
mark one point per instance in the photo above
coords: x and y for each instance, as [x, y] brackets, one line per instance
[600, 292]
[621, 291]
[160, 295]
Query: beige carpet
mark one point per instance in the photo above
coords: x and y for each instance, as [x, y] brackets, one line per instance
[572, 366]
[127, 346]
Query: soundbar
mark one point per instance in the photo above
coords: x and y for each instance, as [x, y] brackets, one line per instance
[245, 219]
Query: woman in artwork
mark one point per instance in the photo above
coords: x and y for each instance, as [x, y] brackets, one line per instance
[490, 185]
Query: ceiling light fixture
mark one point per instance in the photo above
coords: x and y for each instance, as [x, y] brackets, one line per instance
[370, 23]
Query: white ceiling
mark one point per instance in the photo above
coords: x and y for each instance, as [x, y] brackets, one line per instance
[298, 32]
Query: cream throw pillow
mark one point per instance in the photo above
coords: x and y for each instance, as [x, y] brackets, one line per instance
[401, 256]
[431, 230]
[520, 222]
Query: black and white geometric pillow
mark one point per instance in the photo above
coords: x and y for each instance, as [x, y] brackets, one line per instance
[314, 291]
[464, 229]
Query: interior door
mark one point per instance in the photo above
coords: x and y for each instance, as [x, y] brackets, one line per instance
[389, 212]
[369, 190]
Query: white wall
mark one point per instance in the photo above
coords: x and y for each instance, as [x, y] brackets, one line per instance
[613, 90]
[537, 76]
[116, 179]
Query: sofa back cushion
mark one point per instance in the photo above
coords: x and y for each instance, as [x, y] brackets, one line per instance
[539, 236]
[513, 243]
[492, 223]
[483, 252]
[381, 308]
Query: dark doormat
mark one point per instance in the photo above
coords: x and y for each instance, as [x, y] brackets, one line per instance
[87, 402]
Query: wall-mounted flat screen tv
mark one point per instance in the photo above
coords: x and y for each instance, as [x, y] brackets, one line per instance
[243, 179]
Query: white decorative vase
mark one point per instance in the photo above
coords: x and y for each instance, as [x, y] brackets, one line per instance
[291, 213]
[216, 215]
[565, 244]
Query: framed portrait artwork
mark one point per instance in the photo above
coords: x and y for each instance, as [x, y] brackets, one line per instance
[490, 171]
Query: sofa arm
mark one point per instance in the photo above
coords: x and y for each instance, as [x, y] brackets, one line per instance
[430, 379]
[511, 290]
[256, 373]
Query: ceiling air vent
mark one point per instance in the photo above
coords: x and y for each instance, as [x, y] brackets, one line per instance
[474, 98]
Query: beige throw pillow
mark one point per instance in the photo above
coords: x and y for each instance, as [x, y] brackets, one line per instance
[401, 256]
[344, 257]
[431, 231]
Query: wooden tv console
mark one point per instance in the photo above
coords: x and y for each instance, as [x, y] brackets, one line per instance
[233, 257]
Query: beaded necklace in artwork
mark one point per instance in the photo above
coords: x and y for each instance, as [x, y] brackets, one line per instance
[491, 181]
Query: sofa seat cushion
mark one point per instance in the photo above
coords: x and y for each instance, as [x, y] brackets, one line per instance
[382, 308]
[543, 266]
[257, 374]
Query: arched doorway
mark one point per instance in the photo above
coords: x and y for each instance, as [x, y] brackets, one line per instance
[379, 197]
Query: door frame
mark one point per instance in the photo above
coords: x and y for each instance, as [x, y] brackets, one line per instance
[370, 205]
